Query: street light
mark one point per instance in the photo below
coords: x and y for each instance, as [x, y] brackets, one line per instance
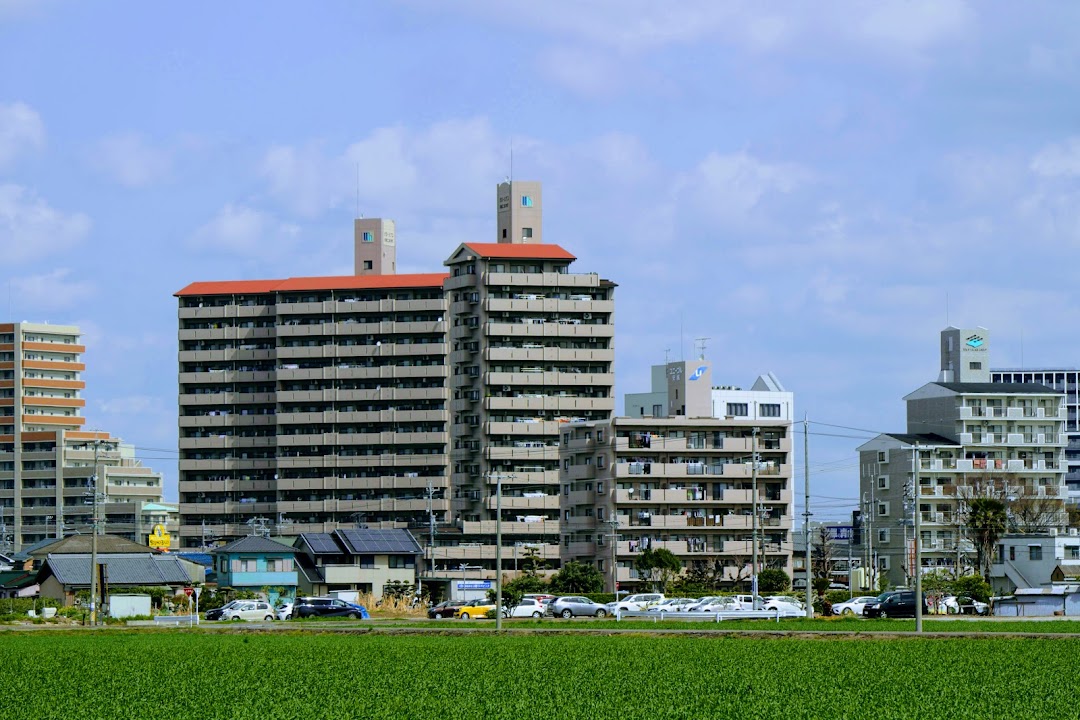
[498, 477]
[463, 567]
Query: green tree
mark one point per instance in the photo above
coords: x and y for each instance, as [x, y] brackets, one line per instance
[531, 563]
[773, 580]
[987, 521]
[937, 585]
[974, 586]
[527, 584]
[576, 577]
[660, 566]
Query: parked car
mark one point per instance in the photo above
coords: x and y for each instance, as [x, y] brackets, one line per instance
[641, 601]
[965, 605]
[445, 609]
[218, 613]
[896, 604]
[476, 610]
[854, 606]
[284, 611]
[785, 607]
[574, 605]
[701, 602]
[747, 602]
[719, 604]
[544, 598]
[328, 607]
[250, 610]
[529, 607]
[673, 605]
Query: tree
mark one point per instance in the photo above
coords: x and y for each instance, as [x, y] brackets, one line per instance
[987, 520]
[531, 563]
[1030, 512]
[821, 559]
[660, 566]
[973, 586]
[576, 577]
[773, 580]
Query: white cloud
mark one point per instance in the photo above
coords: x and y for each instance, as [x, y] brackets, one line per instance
[242, 230]
[444, 166]
[21, 130]
[30, 228]
[50, 291]
[907, 27]
[130, 160]
[731, 186]
[1060, 160]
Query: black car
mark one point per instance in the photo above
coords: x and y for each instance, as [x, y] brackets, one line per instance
[218, 613]
[445, 609]
[327, 607]
[893, 605]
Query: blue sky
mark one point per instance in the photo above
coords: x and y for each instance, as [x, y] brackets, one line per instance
[803, 183]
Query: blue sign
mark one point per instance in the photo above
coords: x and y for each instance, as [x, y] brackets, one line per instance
[474, 585]
[699, 372]
[975, 341]
[839, 532]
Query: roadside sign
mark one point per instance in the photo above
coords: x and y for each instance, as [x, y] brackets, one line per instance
[188, 591]
[474, 585]
[839, 532]
[198, 592]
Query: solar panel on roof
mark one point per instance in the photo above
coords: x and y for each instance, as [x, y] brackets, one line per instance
[321, 543]
[380, 541]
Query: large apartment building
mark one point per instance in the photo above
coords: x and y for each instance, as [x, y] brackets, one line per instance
[313, 403]
[532, 349]
[46, 454]
[681, 480]
[973, 438]
[1067, 382]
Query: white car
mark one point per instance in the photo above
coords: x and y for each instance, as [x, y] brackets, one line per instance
[854, 606]
[673, 605]
[529, 607]
[284, 611]
[963, 605]
[719, 604]
[641, 601]
[786, 608]
[747, 602]
[251, 610]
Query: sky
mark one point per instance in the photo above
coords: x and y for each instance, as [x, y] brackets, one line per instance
[818, 188]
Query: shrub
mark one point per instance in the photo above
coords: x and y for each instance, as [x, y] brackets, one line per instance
[837, 596]
[773, 580]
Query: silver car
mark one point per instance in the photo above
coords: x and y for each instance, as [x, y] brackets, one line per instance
[574, 605]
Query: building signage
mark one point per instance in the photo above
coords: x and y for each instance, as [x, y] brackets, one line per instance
[975, 342]
[159, 539]
[699, 372]
[839, 532]
[474, 585]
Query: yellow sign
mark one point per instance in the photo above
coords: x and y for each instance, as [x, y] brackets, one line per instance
[160, 539]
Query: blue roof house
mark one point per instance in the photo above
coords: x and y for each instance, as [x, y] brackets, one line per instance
[255, 562]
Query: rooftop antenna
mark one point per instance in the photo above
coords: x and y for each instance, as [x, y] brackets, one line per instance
[667, 356]
[700, 343]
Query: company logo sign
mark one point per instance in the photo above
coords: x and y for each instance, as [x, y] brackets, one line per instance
[696, 375]
[975, 341]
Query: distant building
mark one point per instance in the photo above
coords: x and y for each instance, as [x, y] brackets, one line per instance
[360, 560]
[254, 563]
[974, 438]
[680, 481]
[46, 455]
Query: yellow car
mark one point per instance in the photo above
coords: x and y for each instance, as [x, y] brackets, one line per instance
[476, 611]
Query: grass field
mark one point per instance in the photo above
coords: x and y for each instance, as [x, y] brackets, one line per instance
[529, 677]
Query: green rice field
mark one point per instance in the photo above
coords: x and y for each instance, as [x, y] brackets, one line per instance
[277, 675]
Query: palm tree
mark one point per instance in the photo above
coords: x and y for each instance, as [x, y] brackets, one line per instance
[987, 521]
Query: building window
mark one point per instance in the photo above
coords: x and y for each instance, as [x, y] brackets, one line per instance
[398, 562]
[999, 556]
[599, 488]
[1072, 552]
[504, 233]
[599, 436]
[883, 483]
[600, 462]
[1012, 553]
[657, 410]
[368, 265]
[881, 457]
[526, 201]
[1035, 552]
[526, 233]
[975, 366]
[883, 536]
[883, 508]
[368, 237]
[770, 410]
[738, 409]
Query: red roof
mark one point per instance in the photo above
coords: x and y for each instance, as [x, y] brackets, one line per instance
[341, 282]
[520, 250]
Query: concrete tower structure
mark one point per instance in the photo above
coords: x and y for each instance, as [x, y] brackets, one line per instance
[519, 217]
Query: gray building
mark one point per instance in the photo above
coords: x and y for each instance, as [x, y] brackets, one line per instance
[974, 438]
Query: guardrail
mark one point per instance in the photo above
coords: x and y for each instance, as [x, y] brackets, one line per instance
[701, 616]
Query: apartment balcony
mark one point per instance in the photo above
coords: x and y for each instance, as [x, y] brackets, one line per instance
[937, 491]
[561, 281]
[538, 353]
[487, 527]
[523, 451]
[537, 377]
[1021, 439]
[1012, 413]
[525, 426]
[553, 329]
[580, 472]
[1029, 465]
[530, 502]
[537, 303]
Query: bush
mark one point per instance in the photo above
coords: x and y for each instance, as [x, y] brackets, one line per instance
[773, 580]
[837, 596]
[20, 606]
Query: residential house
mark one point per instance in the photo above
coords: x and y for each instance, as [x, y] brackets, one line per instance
[61, 577]
[258, 564]
[362, 560]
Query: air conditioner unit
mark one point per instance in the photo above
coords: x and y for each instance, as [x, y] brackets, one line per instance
[1053, 532]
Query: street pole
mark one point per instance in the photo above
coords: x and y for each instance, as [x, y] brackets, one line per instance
[498, 553]
[614, 523]
[93, 540]
[753, 519]
[806, 520]
[918, 546]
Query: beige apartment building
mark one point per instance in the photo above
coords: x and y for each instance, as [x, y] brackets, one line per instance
[682, 482]
[531, 350]
[46, 455]
[312, 404]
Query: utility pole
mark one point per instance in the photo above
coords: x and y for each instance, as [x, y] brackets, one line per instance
[498, 545]
[98, 442]
[918, 544]
[614, 523]
[806, 520]
[753, 518]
